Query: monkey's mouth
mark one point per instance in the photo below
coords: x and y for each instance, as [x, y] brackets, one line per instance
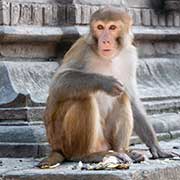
[107, 50]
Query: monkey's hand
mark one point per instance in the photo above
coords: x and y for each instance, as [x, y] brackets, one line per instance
[157, 152]
[113, 87]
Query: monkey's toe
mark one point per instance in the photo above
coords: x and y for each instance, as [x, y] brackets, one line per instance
[136, 157]
[46, 164]
[124, 158]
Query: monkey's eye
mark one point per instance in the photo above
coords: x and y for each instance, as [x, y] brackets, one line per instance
[112, 27]
[100, 27]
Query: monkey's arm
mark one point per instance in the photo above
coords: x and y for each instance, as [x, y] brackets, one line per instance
[78, 84]
[145, 130]
[142, 126]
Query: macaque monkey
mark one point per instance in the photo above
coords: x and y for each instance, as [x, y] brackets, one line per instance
[93, 102]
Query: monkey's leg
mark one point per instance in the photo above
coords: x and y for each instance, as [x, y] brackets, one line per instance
[84, 139]
[122, 128]
[97, 157]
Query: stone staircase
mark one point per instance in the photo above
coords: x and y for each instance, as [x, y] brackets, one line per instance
[34, 35]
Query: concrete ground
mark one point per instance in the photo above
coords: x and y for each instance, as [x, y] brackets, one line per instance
[167, 169]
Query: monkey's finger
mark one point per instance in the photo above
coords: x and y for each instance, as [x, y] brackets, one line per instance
[124, 158]
[118, 89]
[176, 154]
[120, 84]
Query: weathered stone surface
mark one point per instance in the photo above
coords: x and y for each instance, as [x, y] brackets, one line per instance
[170, 18]
[24, 85]
[159, 49]
[69, 33]
[24, 150]
[159, 77]
[146, 17]
[137, 17]
[172, 5]
[15, 13]
[62, 14]
[176, 19]
[32, 34]
[24, 169]
[85, 14]
[154, 18]
[37, 14]
[25, 17]
[162, 20]
[71, 12]
[29, 133]
[55, 13]
[5, 12]
[25, 78]
[28, 50]
[165, 122]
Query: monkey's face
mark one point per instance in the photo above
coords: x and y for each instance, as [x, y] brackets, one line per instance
[107, 35]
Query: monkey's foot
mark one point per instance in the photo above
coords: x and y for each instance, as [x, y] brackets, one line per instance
[52, 161]
[157, 152]
[136, 157]
[123, 158]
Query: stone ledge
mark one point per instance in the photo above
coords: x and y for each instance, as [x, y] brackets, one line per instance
[158, 78]
[22, 81]
[24, 150]
[24, 169]
[56, 34]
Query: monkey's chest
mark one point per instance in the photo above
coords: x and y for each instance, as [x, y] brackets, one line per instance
[105, 103]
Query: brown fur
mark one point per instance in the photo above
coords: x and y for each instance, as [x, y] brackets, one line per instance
[88, 110]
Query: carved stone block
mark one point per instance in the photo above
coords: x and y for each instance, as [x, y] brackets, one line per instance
[154, 18]
[25, 16]
[176, 19]
[137, 17]
[61, 14]
[37, 14]
[31, 50]
[5, 13]
[71, 18]
[162, 20]
[23, 87]
[78, 13]
[146, 18]
[170, 20]
[15, 13]
[85, 15]
[172, 5]
[54, 21]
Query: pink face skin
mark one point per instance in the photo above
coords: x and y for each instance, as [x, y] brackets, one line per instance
[107, 34]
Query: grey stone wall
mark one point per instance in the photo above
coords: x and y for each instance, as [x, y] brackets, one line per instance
[55, 13]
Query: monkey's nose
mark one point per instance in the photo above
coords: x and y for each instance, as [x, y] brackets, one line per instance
[106, 42]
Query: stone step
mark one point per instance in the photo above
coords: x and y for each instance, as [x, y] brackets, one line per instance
[42, 42]
[24, 169]
[55, 34]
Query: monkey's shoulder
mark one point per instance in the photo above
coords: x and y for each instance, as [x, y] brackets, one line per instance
[76, 50]
[130, 53]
